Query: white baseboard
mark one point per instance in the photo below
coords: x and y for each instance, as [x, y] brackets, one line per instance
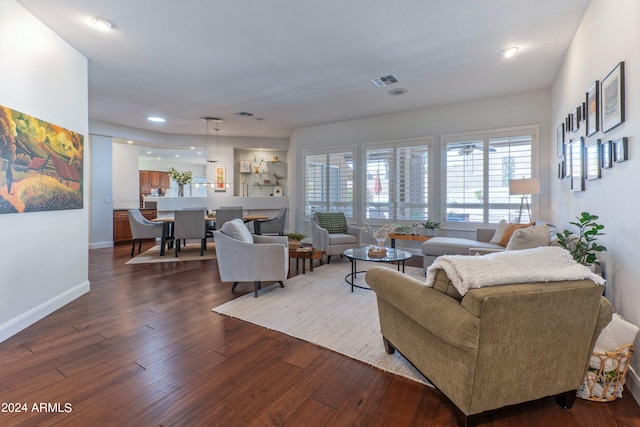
[17, 324]
[633, 384]
[100, 245]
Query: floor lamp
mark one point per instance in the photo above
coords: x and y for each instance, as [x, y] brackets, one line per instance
[524, 187]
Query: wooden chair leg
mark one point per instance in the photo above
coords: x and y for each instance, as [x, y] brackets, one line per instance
[567, 399]
[133, 247]
[203, 244]
[233, 288]
[139, 245]
[328, 259]
[281, 284]
[177, 244]
[388, 347]
[256, 286]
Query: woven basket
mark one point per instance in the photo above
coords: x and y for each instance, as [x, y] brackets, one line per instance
[377, 252]
[605, 383]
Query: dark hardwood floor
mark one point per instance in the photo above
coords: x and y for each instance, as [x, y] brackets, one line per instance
[143, 348]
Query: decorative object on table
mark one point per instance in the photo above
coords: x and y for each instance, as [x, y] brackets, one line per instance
[278, 178]
[377, 252]
[582, 246]
[609, 363]
[274, 159]
[41, 164]
[612, 98]
[592, 160]
[277, 191]
[181, 178]
[245, 166]
[606, 155]
[620, 150]
[592, 113]
[295, 238]
[430, 226]
[256, 169]
[524, 187]
[576, 149]
[267, 182]
[381, 232]
[221, 179]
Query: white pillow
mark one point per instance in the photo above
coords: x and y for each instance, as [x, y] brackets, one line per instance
[497, 236]
[236, 229]
[528, 238]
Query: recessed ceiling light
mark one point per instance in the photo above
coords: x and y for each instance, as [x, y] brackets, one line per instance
[129, 142]
[398, 92]
[260, 119]
[156, 119]
[102, 23]
[509, 52]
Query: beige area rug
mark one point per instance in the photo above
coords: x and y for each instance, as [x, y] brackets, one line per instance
[191, 252]
[319, 307]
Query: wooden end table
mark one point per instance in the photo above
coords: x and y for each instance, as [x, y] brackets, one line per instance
[304, 255]
[414, 237]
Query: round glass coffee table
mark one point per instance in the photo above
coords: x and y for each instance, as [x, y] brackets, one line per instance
[362, 253]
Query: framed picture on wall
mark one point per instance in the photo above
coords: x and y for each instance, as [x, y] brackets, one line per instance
[577, 164]
[612, 98]
[221, 179]
[567, 159]
[560, 140]
[592, 160]
[592, 113]
[606, 155]
[575, 120]
[620, 150]
[245, 166]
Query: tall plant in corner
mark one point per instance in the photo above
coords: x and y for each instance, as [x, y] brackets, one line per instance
[583, 246]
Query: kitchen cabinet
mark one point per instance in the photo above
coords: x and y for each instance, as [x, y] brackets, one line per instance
[145, 182]
[121, 227]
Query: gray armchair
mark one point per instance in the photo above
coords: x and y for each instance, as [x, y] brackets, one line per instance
[272, 225]
[243, 257]
[331, 233]
[190, 224]
[142, 228]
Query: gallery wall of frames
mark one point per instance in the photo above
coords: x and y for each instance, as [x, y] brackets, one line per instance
[581, 154]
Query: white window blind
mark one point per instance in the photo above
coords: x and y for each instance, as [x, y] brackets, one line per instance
[478, 171]
[397, 181]
[329, 183]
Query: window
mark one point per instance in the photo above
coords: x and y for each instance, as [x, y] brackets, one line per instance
[478, 169]
[329, 182]
[397, 181]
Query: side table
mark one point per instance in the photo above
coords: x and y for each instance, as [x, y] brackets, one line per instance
[305, 253]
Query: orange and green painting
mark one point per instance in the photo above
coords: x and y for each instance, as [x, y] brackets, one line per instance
[40, 165]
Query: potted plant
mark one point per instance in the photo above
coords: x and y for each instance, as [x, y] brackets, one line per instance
[181, 178]
[583, 246]
[295, 239]
[430, 226]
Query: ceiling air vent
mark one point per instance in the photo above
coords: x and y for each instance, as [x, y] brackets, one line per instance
[385, 80]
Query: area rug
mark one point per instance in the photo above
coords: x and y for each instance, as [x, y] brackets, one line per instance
[319, 307]
[191, 252]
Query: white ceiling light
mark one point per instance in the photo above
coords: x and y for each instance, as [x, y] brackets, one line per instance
[102, 23]
[397, 92]
[216, 123]
[509, 52]
[156, 119]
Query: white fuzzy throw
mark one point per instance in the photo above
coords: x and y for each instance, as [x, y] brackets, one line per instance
[543, 264]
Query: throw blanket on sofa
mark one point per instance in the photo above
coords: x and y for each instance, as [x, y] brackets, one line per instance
[543, 264]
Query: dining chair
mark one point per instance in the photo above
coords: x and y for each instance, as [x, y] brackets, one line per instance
[142, 228]
[225, 214]
[190, 224]
[272, 225]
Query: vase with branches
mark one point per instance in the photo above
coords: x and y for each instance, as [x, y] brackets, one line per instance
[381, 232]
[181, 178]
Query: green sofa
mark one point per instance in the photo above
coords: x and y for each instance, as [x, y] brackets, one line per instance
[496, 346]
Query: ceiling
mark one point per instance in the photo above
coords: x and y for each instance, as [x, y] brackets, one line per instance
[300, 63]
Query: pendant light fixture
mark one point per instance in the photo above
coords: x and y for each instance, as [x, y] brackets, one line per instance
[213, 123]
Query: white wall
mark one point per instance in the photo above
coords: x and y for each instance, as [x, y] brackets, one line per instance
[44, 254]
[514, 110]
[126, 177]
[101, 193]
[609, 33]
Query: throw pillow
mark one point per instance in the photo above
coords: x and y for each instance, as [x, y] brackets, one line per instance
[497, 236]
[508, 232]
[237, 230]
[528, 238]
[333, 222]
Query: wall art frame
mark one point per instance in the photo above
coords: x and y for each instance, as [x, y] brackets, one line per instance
[41, 165]
[620, 150]
[245, 166]
[560, 141]
[612, 101]
[592, 107]
[606, 156]
[577, 164]
[592, 160]
[220, 185]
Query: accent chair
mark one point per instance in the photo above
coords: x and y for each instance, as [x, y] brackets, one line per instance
[142, 228]
[331, 233]
[272, 225]
[243, 257]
